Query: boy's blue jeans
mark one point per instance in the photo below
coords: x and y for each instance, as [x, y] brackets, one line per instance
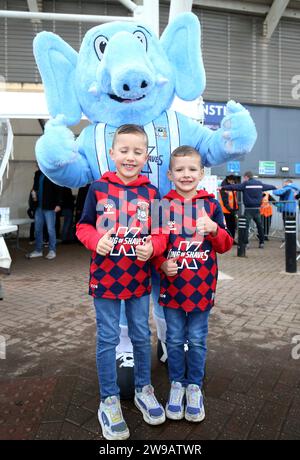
[108, 332]
[186, 367]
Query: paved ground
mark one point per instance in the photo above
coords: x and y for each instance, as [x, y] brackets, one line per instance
[48, 385]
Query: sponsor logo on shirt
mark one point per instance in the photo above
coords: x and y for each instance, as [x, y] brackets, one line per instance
[161, 131]
[189, 250]
[125, 244]
[108, 208]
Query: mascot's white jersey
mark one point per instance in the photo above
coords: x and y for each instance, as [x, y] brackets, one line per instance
[163, 137]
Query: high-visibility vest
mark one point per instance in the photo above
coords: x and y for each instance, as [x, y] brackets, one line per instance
[266, 207]
[232, 201]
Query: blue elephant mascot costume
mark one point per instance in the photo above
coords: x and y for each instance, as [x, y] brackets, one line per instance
[124, 74]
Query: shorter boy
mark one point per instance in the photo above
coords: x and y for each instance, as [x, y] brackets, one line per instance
[115, 227]
[196, 232]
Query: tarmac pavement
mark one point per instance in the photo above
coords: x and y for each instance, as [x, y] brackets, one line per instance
[48, 382]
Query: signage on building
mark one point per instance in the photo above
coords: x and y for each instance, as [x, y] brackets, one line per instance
[297, 168]
[267, 168]
[234, 167]
[214, 112]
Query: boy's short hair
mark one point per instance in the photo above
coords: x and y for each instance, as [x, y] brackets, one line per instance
[248, 174]
[184, 151]
[130, 129]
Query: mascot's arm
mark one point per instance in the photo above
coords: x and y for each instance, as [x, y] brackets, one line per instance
[60, 157]
[234, 138]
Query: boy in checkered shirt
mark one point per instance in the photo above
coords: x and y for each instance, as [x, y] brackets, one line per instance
[195, 231]
[115, 226]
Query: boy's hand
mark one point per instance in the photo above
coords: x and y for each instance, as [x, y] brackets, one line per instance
[105, 244]
[144, 251]
[170, 267]
[204, 224]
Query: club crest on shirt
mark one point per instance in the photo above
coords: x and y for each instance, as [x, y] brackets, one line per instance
[172, 226]
[161, 131]
[142, 211]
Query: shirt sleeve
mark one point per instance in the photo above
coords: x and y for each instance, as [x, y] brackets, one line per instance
[86, 230]
[158, 238]
[268, 187]
[239, 187]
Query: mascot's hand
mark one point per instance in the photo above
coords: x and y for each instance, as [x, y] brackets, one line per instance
[56, 147]
[239, 132]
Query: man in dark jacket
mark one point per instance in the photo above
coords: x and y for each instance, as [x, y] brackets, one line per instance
[48, 197]
[252, 190]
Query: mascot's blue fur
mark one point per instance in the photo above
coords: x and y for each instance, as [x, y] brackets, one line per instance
[124, 74]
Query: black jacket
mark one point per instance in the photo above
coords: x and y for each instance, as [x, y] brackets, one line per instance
[252, 191]
[52, 193]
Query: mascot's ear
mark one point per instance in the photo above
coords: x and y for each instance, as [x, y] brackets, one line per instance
[57, 61]
[181, 40]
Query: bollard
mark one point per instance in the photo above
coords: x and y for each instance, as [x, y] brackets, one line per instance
[242, 234]
[290, 245]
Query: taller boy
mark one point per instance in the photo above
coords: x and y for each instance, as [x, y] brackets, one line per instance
[119, 204]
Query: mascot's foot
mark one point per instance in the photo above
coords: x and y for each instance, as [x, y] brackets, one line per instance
[162, 354]
[125, 374]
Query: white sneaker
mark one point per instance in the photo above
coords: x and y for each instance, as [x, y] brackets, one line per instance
[34, 254]
[175, 404]
[51, 255]
[111, 419]
[194, 410]
[146, 402]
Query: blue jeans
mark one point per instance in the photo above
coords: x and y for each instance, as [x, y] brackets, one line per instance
[108, 332]
[41, 216]
[186, 367]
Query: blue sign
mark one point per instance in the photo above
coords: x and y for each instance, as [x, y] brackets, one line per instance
[214, 112]
[297, 168]
[234, 167]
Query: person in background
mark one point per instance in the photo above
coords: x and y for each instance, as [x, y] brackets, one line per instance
[252, 190]
[32, 205]
[80, 200]
[266, 212]
[48, 197]
[287, 199]
[229, 204]
[67, 212]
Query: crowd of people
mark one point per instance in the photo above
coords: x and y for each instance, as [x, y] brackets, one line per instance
[257, 203]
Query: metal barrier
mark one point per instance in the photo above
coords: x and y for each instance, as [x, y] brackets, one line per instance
[290, 244]
[277, 230]
[242, 229]
[284, 226]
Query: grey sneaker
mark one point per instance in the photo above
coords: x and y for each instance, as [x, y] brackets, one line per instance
[194, 411]
[51, 255]
[146, 402]
[175, 404]
[34, 254]
[111, 419]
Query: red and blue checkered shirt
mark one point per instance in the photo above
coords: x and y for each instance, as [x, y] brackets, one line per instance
[127, 209]
[194, 285]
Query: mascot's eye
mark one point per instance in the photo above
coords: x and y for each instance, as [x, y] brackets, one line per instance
[100, 45]
[141, 37]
